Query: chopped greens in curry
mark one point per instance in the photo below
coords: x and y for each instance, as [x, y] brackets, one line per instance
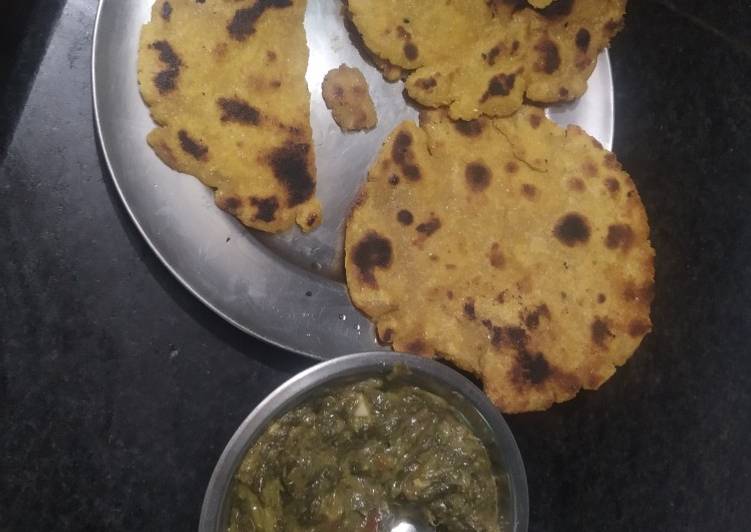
[360, 456]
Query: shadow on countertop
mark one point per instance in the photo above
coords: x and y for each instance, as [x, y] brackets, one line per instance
[25, 29]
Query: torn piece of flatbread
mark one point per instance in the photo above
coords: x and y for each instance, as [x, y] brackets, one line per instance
[225, 83]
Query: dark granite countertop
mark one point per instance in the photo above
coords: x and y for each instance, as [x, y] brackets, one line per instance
[118, 389]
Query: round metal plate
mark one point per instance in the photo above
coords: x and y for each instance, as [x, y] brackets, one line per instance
[286, 289]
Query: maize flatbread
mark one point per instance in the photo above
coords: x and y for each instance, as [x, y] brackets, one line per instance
[225, 83]
[513, 248]
[483, 58]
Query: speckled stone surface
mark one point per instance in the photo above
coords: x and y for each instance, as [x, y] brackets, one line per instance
[118, 390]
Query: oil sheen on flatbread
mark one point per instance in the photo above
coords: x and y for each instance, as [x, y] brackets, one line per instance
[225, 83]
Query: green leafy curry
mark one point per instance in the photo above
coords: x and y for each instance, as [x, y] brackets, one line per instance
[359, 456]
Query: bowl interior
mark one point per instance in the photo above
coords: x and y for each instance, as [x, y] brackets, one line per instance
[432, 376]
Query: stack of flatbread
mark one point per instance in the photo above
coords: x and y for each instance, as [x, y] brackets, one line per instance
[486, 235]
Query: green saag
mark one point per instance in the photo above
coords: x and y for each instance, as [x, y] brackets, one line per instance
[357, 457]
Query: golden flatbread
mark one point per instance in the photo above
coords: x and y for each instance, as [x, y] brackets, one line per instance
[515, 249]
[225, 83]
[478, 57]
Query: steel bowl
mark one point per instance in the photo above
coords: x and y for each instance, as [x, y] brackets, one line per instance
[483, 417]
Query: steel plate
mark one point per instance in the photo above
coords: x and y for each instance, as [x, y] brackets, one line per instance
[288, 289]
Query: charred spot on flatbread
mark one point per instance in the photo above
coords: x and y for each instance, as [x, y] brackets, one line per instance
[290, 166]
[583, 38]
[404, 158]
[370, 253]
[405, 217]
[601, 333]
[427, 83]
[620, 236]
[469, 128]
[478, 176]
[548, 57]
[230, 204]
[496, 257]
[572, 229]
[238, 111]
[430, 226]
[265, 207]
[529, 191]
[532, 319]
[166, 12]
[166, 79]
[244, 20]
[499, 85]
[195, 148]
[410, 51]
[531, 368]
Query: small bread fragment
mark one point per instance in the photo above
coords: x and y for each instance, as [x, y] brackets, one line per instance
[540, 4]
[345, 91]
[515, 249]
